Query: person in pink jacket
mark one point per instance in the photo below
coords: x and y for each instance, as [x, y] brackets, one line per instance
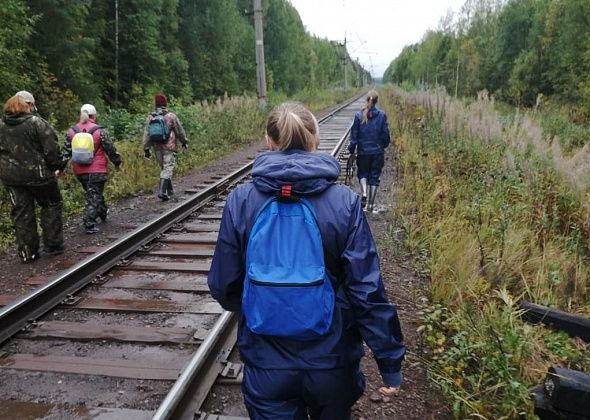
[92, 175]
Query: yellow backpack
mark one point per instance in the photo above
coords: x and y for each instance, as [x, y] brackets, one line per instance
[83, 145]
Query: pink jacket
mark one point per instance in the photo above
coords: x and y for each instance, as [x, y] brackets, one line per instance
[100, 163]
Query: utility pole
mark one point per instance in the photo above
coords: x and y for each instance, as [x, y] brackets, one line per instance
[345, 74]
[260, 70]
[117, 52]
[457, 77]
[345, 65]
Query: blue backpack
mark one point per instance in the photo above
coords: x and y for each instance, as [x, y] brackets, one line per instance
[158, 130]
[287, 291]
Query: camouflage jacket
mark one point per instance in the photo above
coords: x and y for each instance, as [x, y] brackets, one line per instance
[177, 132]
[29, 150]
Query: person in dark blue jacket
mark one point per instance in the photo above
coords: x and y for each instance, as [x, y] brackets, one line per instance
[369, 136]
[286, 378]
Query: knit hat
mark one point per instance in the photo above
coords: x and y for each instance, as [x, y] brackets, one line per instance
[27, 96]
[161, 101]
[88, 109]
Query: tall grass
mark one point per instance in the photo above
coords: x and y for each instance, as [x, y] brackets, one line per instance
[213, 129]
[500, 210]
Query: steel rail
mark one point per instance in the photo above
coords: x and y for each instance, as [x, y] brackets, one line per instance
[187, 394]
[34, 304]
[179, 403]
[340, 143]
[16, 315]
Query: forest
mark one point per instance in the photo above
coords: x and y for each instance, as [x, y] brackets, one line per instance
[492, 200]
[492, 121]
[117, 54]
[522, 51]
[200, 53]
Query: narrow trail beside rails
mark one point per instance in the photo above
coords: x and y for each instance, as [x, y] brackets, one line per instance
[161, 342]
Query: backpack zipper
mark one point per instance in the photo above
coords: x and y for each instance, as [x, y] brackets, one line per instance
[271, 284]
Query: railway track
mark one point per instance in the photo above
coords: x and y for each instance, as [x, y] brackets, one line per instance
[130, 332]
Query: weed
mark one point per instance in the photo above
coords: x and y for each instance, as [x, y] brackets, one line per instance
[501, 210]
[213, 128]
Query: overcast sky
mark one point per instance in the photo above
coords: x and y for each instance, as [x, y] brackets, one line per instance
[376, 30]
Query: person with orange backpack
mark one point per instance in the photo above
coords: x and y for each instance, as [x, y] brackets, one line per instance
[87, 144]
[162, 131]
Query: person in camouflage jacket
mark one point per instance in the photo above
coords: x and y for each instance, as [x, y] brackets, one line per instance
[30, 161]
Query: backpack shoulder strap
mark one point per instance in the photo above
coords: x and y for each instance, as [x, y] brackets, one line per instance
[93, 129]
[75, 129]
[331, 262]
[263, 207]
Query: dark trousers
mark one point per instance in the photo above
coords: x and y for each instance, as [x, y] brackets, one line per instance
[95, 205]
[302, 394]
[370, 166]
[23, 199]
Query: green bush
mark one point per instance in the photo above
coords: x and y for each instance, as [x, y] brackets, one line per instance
[500, 214]
[213, 129]
[570, 134]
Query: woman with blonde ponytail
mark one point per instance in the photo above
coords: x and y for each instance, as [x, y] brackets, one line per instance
[93, 174]
[289, 376]
[369, 137]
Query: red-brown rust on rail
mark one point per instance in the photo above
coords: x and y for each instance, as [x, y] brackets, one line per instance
[94, 332]
[180, 267]
[118, 368]
[135, 305]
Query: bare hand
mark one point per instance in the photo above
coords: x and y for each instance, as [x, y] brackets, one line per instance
[389, 391]
[58, 173]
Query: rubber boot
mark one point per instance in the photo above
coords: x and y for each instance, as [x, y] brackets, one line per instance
[372, 195]
[169, 189]
[363, 182]
[163, 189]
[91, 228]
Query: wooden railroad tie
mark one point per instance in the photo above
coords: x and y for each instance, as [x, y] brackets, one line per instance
[564, 395]
[574, 325]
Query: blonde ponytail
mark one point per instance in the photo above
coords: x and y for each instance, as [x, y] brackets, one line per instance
[84, 117]
[372, 98]
[291, 126]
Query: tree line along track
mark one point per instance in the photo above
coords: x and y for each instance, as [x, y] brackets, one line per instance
[132, 325]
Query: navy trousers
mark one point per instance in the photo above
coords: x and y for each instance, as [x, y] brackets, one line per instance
[302, 394]
[370, 166]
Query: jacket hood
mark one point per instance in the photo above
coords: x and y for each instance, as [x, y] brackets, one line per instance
[308, 172]
[373, 112]
[16, 119]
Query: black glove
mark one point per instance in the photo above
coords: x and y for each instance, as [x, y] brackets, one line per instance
[147, 154]
[185, 146]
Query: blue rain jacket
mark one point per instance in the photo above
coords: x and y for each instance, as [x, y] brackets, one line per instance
[371, 138]
[362, 311]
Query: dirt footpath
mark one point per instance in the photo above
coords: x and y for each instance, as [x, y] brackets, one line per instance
[417, 399]
[407, 290]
